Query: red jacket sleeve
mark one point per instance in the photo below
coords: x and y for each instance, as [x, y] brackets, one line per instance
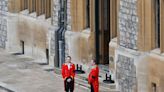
[63, 71]
[92, 75]
[73, 71]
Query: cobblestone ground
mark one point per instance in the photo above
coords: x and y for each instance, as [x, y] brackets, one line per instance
[21, 75]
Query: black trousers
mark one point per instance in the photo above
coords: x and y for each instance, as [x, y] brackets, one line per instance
[92, 89]
[69, 86]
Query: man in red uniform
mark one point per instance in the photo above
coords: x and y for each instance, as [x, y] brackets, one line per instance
[68, 73]
[93, 77]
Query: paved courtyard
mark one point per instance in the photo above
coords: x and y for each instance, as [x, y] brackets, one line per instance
[20, 74]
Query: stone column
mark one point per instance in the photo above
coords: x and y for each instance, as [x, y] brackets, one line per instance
[3, 23]
[55, 24]
[53, 29]
[69, 23]
[69, 15]
[126, 63]
[126, 69]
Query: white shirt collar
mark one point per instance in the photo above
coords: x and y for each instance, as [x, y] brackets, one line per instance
[69, 65]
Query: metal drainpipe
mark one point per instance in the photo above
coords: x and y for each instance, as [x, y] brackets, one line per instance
[65, 29]
[61, 33]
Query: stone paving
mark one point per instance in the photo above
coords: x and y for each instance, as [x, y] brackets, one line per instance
[19, 74]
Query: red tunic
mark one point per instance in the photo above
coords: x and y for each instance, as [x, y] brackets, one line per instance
[93, 78]
[68, 72]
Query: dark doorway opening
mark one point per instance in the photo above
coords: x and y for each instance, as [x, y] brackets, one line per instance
[106, 36]
[97, 31]
[154, 87]
[22, 45]
[47, 56]
[88, 13]
[157, 23]
[104, 31]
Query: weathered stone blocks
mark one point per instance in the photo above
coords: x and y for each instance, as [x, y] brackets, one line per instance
[126, 73]
[128, 24]
[3, 23]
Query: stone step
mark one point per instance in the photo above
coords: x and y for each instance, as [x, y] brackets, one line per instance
[111, 86]
[102, 88]
[82, 80]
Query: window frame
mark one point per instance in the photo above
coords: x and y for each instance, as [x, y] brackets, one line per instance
[48, 9]
[147, 39]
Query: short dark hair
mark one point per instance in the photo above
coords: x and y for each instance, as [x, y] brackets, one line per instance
[69, 57]
[94, 60]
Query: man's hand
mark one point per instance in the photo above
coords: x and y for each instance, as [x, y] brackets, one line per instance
[72, 77]
[69, 80]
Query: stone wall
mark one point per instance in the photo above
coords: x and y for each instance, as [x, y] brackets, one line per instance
[69, 15]
[69, 23]
[128, 30]
[79, 40]
[3, 23]
[55, 26]
[128, 24]
[126, 73]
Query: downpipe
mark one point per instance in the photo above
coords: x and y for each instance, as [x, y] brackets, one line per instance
[61, 33]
